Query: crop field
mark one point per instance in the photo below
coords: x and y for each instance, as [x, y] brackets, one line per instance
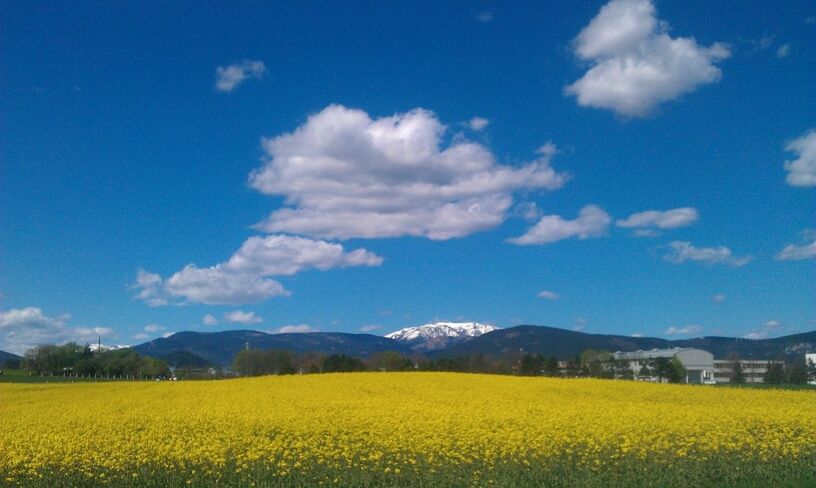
[404, 429]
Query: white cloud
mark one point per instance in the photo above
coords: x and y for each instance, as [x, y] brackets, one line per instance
[792, 252]
[548, 295]
[245, 277]
[484, 16]
[772, 324]
[764, 330]
[150, 289]
[478, 123]
[151, 328]
[636, 334]
[296, 329]
[141, 336]
[783, 51]
[719, 298]
[802, 170]
[21, 329]
[345, 175]
[660, 219]
[687, 330]
[681, 251]
[227, 78]
[209, 319]
[592, 221]
[635, 64]
[370, 328]
[241, 317]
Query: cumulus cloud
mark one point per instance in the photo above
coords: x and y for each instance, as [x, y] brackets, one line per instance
[793, 252]
[687, 330]
[764, 330]
[22, 329]
[484, 16]
[548, 295]
[241, 317]
[658, 219]
[296, 329]
[592, 221]
[478, 123]
[343, 175]
[681, 251]
[635, 64]
[783, 51]
[209, 319]
[245, 277]
[151, 328]
[227, 78]
[802, 170]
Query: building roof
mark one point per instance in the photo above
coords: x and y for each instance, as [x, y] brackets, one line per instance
[652, 353]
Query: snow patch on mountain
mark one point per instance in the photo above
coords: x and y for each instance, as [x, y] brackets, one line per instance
[440, 334]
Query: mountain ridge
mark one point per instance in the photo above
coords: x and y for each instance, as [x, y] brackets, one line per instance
[439, 335]
[219, 348]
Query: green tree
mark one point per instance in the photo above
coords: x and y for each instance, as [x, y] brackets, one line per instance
[551, 367]
[531, 365]
[811, 370]
[737, 374]
[775, 374]
[797, 373]
[341, 363]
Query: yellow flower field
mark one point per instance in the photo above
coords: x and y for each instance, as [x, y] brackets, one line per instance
[403, 429]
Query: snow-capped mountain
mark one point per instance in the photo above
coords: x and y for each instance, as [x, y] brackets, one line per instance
[439, 335]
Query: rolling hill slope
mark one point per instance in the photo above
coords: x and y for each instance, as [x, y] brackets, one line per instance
[566, 344]
[220, 348]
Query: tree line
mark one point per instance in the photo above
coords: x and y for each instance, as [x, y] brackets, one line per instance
[72, 359]
[590, 364]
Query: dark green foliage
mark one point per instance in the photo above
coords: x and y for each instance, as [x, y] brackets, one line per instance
[531, 365]
[390, 361]
[797, 373]
[341, 363]
[72, 359]
[737, 375]
[669, 369]
[551, 367]
[775, 374]
[255, 362]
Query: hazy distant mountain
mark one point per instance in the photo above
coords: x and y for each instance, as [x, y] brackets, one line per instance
[566, 344]
[439, 335]
[220, 348]
[6, 356]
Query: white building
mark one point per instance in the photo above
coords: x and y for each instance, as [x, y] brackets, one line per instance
[699, 364]
[753, 370]
[811, 358]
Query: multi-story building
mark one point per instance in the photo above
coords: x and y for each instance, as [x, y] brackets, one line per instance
[699, 364]
[753, 370]
[811, 359]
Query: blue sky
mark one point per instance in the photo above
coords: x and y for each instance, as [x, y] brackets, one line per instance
[372, 166]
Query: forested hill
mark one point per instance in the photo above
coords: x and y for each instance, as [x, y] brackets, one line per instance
[6, 356]
[566, 344]
[220, 348]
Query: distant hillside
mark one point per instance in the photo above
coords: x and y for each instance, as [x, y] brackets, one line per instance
[6, 356]
[220, 348]
[566, 344]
